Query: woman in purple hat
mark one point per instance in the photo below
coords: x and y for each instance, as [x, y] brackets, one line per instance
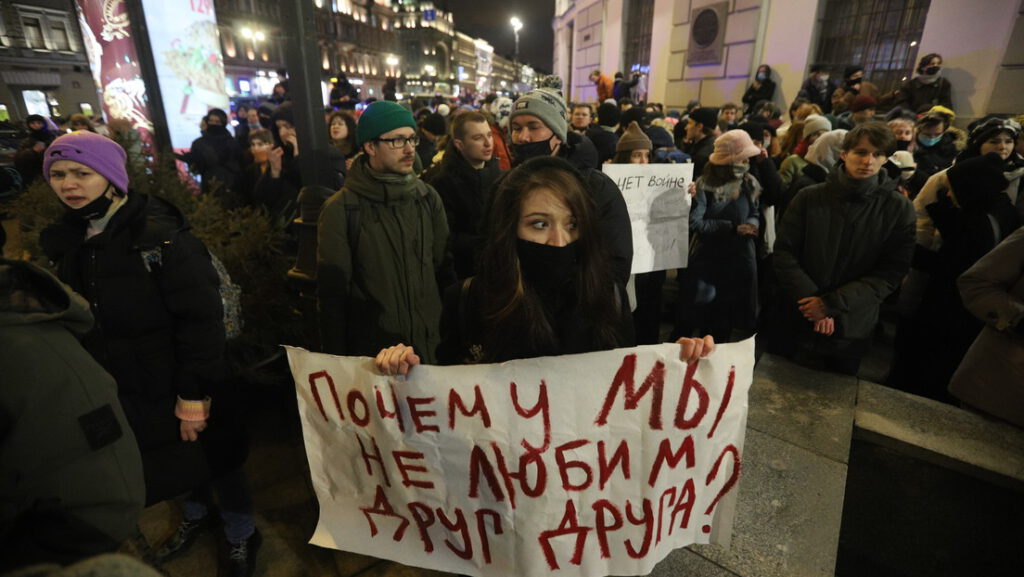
[159, 331]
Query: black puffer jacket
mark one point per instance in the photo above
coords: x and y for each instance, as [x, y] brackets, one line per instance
[159, 332]
[932, 159]
[465, 192]
[849, 245]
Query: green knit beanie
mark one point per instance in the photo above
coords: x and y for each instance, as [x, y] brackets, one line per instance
[380, 117]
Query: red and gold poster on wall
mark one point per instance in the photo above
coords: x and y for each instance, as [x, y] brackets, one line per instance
[114, 61]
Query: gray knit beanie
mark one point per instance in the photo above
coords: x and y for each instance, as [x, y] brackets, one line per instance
[547, 105]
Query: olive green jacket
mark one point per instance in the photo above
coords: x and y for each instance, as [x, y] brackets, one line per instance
[384, 290]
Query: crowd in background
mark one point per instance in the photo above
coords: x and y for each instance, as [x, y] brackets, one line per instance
[458, 232]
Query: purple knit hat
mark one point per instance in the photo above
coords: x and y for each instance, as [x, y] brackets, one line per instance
[97, 152]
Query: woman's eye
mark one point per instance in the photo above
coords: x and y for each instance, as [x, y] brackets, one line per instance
[539, 224]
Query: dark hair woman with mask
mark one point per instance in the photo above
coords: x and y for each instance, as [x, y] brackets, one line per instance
[544, 285]
[159, 332]
[925, 90]
[761, 88]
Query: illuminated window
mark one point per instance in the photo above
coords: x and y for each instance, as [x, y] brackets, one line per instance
[639, 22]
[882, 36]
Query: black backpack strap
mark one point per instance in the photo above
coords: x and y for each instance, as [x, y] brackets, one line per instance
[352, 217]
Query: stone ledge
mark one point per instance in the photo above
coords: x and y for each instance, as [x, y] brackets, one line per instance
[941, 434]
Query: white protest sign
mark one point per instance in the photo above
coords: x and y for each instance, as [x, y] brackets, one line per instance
[659, 211]
[582, 465]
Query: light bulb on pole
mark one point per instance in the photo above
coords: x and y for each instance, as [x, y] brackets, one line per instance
[517, 25]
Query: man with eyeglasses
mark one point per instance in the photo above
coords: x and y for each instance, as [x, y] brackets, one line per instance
[382, 256]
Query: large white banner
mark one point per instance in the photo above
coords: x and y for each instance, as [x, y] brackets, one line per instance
[659, 211]
[583, 465]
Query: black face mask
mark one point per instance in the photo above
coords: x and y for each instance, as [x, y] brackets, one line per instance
[524, 152]
[95, 209]
[932, 70]
[852, 83]
[902, 144]
[546, 265]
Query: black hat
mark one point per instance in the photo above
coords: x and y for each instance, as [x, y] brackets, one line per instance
[285, 113]
[851, 70]
[608, 114]
[706, 116]
[434, 124]
[981, 173]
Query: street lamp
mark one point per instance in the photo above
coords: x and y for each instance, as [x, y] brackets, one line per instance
[517, 25]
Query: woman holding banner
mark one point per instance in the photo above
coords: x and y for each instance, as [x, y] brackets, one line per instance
[543, 286]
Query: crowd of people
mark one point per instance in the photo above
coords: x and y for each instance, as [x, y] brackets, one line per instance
[476, 232]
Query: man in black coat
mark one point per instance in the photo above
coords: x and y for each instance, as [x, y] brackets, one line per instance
[603, 132]
[538, 127]
[467, 173]
[216, 156]
[844, 246]
[701, 127]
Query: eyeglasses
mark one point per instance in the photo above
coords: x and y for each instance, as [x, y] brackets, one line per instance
[400, 142]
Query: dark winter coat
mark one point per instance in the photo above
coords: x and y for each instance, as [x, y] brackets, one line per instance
[822, 96]
[463, 329]
[611, 207]
[700, 152]
[921, 97]
[71, 481]
[216, 156]
[465, 192]
[850, 246]
[385, 290]
[724, 259]
[932, 159]
[754, 95]
[159, 332]
[604, 141]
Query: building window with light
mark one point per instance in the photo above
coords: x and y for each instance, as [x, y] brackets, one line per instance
[639, 23]
[882, 36]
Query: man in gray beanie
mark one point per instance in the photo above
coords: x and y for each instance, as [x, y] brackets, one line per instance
[538, 127]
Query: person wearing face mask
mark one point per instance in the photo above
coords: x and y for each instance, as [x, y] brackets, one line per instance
[904, 161]
[543, 285]
[537, 128]
[854, 84]
[818, 88]
[963, 213]
[761, 88]
[159, 332]
[926, 89]
[725, 217]
[934, 148]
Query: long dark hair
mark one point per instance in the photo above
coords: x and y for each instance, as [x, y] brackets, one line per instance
[511, 309]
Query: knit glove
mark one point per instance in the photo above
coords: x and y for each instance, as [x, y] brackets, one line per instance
[187, 410]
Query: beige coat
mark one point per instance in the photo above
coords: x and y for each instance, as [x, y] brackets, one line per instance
[991, 376]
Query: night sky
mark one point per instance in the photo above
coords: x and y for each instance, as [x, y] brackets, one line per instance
[490, 21]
